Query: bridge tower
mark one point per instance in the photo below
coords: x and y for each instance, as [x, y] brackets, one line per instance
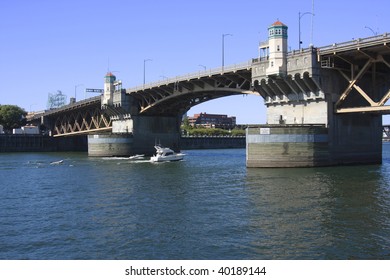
[109, 89]
[277, 45]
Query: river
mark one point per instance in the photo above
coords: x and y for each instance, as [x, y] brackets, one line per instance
[209, 206]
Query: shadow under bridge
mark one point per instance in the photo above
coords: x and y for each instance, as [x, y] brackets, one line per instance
[176, 96]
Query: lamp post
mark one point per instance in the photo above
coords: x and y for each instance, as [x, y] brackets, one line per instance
[75, 90]
[31, 106]
[145, 60]
[223, 49]
[204, 67]
[299, 25]
[375, 33]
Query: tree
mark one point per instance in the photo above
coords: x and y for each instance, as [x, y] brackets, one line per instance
[12, 116]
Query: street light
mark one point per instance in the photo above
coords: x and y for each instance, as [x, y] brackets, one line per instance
[299, 25]
[145, 60]
[223, 49]
[204, 67]
[375, 33]
[31, 106]
[75, 90]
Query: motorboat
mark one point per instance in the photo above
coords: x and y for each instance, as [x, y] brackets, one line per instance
[165, 154]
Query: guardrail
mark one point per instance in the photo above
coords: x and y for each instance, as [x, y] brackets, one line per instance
[360, 42]
[74, 105]
[194, 75]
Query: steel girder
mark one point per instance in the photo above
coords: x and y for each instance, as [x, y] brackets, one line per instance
[367, 74]
[82, 120]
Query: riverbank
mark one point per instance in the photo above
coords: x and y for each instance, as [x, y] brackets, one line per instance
[10, 143]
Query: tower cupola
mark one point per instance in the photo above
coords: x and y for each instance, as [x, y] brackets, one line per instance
[277, 42]
[109, 88]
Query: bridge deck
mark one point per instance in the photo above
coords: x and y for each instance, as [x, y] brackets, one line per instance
[194, 75]
[379, 40]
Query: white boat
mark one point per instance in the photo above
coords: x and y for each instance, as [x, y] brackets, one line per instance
[57, 162]
[165, 154]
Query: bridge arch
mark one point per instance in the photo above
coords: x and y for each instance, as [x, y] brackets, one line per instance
[176, 96]
[179, 103]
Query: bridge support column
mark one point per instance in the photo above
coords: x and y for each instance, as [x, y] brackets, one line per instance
[287, 146]
[349, 139]
[106, 145]
[142, 133]
[356, 139]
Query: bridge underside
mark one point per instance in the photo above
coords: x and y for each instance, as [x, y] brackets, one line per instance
[365, 81]
[289, 89]
[176, 98]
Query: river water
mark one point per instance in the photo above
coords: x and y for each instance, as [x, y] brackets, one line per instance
[209, 206]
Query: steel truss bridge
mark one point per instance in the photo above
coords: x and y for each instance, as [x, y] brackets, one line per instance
[356, 61]
[359, 61]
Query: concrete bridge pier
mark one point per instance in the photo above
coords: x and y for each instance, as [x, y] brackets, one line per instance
[347, 140]
[355, 139]
[136, 135]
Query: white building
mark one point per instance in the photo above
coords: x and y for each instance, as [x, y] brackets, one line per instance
[26, 130]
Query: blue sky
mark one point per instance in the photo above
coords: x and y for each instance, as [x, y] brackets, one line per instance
[48, 45]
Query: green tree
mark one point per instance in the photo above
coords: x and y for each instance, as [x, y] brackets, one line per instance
[186, 123]
[12, 116]
[238, 132]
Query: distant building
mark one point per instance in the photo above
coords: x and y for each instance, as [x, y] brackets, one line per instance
[26, 130]
[212, 121]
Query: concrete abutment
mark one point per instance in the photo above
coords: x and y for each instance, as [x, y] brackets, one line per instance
[349, 140]
[143, 133]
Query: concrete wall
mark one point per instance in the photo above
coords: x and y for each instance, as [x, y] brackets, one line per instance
[41, 143]
[356, 138]
[349, 139]
[102, 145]
[145, 132]
[149, 130]
[287, 146]
[310, 112]
[188, 143]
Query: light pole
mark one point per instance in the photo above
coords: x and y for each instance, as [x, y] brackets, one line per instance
[375, 33]
[223, 49]
[31, 106]
[299, 25]
[75, 90]
[204, 67]
[145, 60]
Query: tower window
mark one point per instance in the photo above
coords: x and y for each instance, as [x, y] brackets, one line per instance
[278, 48]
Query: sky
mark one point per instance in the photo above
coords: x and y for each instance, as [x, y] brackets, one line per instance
[69, 45]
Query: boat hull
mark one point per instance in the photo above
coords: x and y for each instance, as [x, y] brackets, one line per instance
[177, 157]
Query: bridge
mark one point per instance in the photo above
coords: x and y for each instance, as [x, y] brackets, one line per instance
[319, 101]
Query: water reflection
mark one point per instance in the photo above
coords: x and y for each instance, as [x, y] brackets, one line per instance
[321, 213]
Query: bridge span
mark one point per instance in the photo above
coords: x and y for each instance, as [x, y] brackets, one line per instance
[324, 105]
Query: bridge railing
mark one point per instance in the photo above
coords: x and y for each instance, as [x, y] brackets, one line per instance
[360, 42]
[194, 75]
[73, 105]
